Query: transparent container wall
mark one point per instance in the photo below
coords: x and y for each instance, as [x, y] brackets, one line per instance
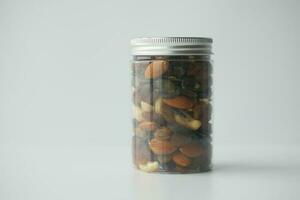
[172, 114]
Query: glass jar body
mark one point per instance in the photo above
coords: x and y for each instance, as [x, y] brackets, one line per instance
[172, 113]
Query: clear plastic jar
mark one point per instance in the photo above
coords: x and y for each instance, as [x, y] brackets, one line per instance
[171, 81]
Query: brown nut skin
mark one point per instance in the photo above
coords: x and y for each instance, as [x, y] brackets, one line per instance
[148, 126]
[192, 150]
[202, 162]
[163, 110]
[202, 110]
[161, 147]
[163, 133]
[181, 160]
[140, 132]
[179, 140]
[180, 102]
[151, 116]
[156, 68]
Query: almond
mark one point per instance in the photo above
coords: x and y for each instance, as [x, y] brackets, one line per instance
[163, 133]
[192, 150]
[202, 110]
[148, 126]
[161, 147]
[180, 102]
[181, 160]
[156, 68]
[163, 110]
[140, 132]
[150, 116]
[179, 140]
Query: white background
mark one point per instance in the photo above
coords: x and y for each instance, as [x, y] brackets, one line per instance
[65, 92]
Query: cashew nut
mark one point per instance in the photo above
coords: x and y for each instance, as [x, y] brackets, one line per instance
[149, 166]
[146, 107]
[137, 113]
[187, 122]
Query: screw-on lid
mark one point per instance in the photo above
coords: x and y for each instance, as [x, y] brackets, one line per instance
[171, 46]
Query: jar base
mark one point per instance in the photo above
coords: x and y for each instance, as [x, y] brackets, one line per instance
[176, 171]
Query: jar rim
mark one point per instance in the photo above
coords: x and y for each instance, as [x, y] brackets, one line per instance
[171, 46]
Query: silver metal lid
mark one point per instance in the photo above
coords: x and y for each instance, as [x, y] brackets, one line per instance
[171, 46]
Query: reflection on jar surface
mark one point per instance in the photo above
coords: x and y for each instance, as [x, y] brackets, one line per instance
[172, 109]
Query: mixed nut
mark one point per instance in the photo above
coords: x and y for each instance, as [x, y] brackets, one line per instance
[172, 114]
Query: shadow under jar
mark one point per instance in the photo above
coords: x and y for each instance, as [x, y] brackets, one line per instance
[171, 81]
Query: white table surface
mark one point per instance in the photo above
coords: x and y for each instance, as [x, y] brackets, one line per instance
[240, 172]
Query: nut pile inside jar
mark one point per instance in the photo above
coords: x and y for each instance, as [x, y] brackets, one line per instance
[172, 114]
